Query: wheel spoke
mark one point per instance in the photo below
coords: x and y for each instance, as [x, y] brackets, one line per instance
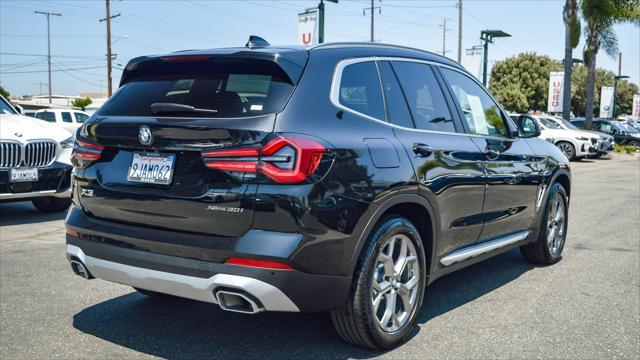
[387, 262]
[381, 287]
[403, 292]
[402, 256]
[390, 309]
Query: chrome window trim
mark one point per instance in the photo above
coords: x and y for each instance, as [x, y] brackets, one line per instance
[334, 93]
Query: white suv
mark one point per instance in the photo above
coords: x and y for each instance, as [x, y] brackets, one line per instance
[574, 144]
[69, 119]
[35, 161]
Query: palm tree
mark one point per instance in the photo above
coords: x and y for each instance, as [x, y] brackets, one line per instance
[571, 39]
[600, 17]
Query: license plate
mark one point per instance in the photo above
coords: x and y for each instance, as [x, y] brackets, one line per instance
[151, 168]
[22, 175]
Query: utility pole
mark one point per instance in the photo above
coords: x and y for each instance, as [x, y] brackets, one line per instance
[48, 14]
[444, 36]
[459, 31]
[487, 36]
[615, 84]
[372, 9]
[321, 20]
[109, 55]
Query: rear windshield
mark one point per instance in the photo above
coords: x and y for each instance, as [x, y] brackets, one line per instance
[224, 87]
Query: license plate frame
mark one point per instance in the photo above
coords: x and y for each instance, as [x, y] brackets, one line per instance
[24, 175]
[151, 174]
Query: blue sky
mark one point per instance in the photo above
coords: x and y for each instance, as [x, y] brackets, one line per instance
[78, 40]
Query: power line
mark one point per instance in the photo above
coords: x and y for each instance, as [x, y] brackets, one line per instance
[44, 55]
[41, 71]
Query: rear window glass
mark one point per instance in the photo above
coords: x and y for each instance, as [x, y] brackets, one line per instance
[213, 88]
[46, 116]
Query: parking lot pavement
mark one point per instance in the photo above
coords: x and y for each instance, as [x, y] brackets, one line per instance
[586, 306]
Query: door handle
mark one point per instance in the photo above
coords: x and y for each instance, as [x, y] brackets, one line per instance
[491, 154]
[422, 150]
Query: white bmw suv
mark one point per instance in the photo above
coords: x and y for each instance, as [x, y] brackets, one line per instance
[574, 144]
[35, 161]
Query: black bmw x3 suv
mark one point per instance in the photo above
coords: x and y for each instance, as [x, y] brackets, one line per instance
[341, 178]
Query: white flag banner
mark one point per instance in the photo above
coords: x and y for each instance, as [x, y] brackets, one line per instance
[606, 102]
[308, 28]
[636, 106]
[556, 85]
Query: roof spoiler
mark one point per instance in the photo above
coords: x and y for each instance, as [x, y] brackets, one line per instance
[256, 42]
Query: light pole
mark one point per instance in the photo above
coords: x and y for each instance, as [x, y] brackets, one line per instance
[321, 20]
[487, 36]
[615, 92]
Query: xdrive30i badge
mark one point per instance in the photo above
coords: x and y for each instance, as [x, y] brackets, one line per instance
[145, 136]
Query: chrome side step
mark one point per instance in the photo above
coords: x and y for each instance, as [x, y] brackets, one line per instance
[483, 248]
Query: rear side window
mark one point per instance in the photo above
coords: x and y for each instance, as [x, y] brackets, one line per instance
[397, 110]
[46, 116]
[426, 101]
[80, 117]
[218, 87]
[66, 117]
[360, 89]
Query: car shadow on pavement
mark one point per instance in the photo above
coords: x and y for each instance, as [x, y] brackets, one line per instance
[177, 328]
[18, 213]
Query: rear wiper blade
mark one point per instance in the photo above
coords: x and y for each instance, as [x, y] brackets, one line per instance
[158, 108]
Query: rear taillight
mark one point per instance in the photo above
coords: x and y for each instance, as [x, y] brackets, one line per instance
[284, 158]
[84, 153]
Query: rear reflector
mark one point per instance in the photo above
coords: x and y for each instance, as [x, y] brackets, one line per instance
[72, 232]
[259, 264]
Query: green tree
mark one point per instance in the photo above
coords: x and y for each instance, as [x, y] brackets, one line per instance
[529, 73]
[511, 97]
[81, 103]
[600, 16]
[571, 40]
[624, 97]
[4, 93]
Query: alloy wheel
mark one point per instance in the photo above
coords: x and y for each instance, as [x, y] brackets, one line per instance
[396, 283]
[556, 224]
[566, 149]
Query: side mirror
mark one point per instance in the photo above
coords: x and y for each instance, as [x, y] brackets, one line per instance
[528, 128]
[19, 109]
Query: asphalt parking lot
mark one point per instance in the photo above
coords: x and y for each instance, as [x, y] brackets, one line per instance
[586, 306]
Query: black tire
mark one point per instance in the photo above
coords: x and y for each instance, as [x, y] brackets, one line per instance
[357, 323]
[567, 149]
[51, 204]
[539, 252]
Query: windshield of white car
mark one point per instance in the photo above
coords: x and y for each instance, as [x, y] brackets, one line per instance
[5, 108]
[549, 124]
[569, 125]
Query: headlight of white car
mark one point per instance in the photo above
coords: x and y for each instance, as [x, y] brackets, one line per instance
[583, 138]
[68, 143]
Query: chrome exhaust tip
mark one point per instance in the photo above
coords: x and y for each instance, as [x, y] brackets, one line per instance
[80, 270]
[238, 301]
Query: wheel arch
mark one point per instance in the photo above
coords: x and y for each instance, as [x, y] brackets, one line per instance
[415, 208]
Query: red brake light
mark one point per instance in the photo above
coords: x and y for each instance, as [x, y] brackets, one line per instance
[259, 263]
[289, 158]
[85, 152]
[186, 58]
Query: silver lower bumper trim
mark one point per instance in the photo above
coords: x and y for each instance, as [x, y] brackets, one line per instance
[36, 194]
[485, 247]
[202, 289]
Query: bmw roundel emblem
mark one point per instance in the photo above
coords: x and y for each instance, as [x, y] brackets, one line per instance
[145, 136]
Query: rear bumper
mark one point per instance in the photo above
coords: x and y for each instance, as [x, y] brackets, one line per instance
[111, 257]
[269, 297]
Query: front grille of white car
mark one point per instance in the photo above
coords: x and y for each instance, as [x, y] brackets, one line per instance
[37, 153]
[10, 154]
